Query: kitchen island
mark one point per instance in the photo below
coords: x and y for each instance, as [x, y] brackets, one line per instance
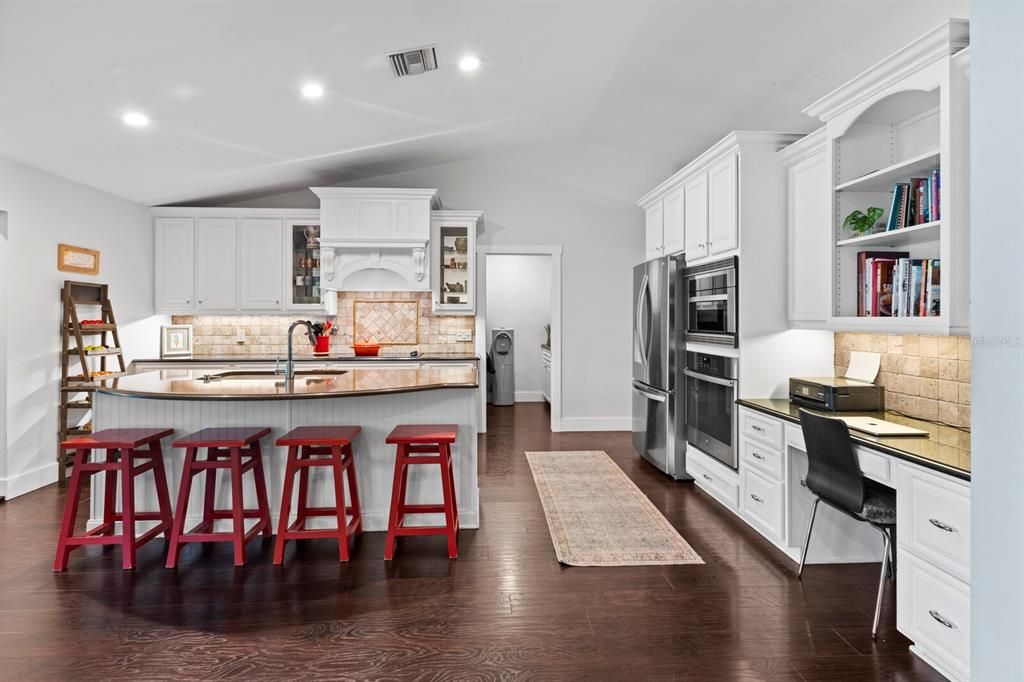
[375, 398]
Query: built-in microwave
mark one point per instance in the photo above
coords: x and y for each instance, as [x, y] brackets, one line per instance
[711, 302]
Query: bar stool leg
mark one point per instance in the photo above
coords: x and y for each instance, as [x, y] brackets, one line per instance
[237, 506]
[450, 512]
[261, 489]
[127, 510]
[178, 524]
[353, 491]
[162, 494]
[67, 525]
[303, 506]
[397, 489]
[339, 503]
[209, 493]
[109, 498]
[286, 504]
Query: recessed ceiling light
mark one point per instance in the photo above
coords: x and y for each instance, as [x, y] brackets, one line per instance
[312, 90]
[469, 63]
[135, 119]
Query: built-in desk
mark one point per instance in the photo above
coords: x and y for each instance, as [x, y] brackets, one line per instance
[931, 477]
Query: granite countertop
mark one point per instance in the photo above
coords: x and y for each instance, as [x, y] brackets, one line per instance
[946, 449]
[333, 357]
[227, 384]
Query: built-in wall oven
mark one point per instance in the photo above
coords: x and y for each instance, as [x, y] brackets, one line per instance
[711, 308]
[711, 405]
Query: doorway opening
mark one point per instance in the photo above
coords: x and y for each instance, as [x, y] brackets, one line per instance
[3, 355]
[519, 329]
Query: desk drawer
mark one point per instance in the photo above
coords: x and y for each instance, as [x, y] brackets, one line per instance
[714, 478]
[761, 457]
[934, 519]
[934, 610]
[761, 428]
[874, 465]
[762, 503]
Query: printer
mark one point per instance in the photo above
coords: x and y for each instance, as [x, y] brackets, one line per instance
[837, 394]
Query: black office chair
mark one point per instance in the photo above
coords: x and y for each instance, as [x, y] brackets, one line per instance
[834, 476]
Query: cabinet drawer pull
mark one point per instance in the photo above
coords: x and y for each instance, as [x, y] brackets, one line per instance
[803, 482]
[941, 526]
[707, 478]
[757, 456]
[755, 498]
[757, 428]
[942, 621]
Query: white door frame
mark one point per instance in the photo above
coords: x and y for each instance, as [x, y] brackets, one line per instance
[3, 353]
[556, 321]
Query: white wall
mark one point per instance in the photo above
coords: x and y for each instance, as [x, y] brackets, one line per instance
[3, 353]
[577, 195]
[997, 328]
[519, 296]
[44, 210]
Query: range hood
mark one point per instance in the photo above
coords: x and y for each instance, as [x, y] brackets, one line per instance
[374, 238]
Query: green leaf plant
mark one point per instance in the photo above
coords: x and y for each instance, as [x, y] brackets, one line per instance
[861, 222]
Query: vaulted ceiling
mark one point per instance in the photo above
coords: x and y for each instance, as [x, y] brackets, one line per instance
[220, 80]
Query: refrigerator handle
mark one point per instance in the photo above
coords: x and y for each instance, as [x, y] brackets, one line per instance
[639, 331]
[647, 394]
[650, 323]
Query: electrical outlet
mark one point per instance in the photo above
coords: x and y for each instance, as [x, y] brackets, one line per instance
[464, 336]
[240, 335]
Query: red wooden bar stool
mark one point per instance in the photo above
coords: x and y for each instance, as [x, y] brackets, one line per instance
[122, 455]
[423, 444]
[236, 449]
[319, 446]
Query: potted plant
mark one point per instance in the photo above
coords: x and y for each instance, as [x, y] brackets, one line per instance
[861, 223]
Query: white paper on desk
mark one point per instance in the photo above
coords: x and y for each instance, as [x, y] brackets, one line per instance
[863, 366]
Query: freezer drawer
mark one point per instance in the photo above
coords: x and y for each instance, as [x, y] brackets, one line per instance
[653, 428]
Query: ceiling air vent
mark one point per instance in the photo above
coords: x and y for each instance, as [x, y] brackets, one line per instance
[413, 62]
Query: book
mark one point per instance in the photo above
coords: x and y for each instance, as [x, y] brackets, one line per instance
[934, 308]
[936, 194]
[894, 209]
[901, 218]
[874, 281]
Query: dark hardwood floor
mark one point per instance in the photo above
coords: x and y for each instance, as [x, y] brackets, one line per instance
[505, 609]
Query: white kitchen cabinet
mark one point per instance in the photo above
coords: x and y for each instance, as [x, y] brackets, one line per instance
[453, 261]
[654, 226]
[723, 206]
[695, 216]
[808, 230]
[673, 222]
[545, 360]
[216, 262]
[259, 263]
[174, 264]
[225, 260]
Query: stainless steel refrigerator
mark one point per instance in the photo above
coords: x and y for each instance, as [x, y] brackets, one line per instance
[658, 352]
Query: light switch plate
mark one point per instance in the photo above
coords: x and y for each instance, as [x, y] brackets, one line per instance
[464, 336]
[240, 335]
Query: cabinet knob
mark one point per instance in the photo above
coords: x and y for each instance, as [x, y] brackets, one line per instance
[277, 302]
[199, 302]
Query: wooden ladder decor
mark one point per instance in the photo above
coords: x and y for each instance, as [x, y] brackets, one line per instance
[76, 389]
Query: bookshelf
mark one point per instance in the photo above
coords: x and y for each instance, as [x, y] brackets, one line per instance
[85, 348]
[899, 121]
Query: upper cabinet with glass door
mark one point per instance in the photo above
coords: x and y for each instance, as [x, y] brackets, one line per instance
[302, 249]
[453, 260]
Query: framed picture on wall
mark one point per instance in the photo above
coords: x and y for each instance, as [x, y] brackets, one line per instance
[78, 259]
[176, 341]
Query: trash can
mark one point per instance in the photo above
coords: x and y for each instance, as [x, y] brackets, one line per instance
[503, 357]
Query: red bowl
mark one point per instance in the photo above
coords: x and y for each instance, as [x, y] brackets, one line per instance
[366, 349]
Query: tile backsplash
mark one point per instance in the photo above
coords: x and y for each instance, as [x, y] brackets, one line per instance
[399, 320]
[927, 377]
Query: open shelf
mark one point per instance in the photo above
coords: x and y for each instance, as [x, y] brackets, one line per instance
[96, 353]
[915, 234]
[93, 328]
[882, 180]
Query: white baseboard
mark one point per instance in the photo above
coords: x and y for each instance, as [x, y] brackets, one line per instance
[30, 480]
[529, 396]
[373, 521]
[597, 423]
